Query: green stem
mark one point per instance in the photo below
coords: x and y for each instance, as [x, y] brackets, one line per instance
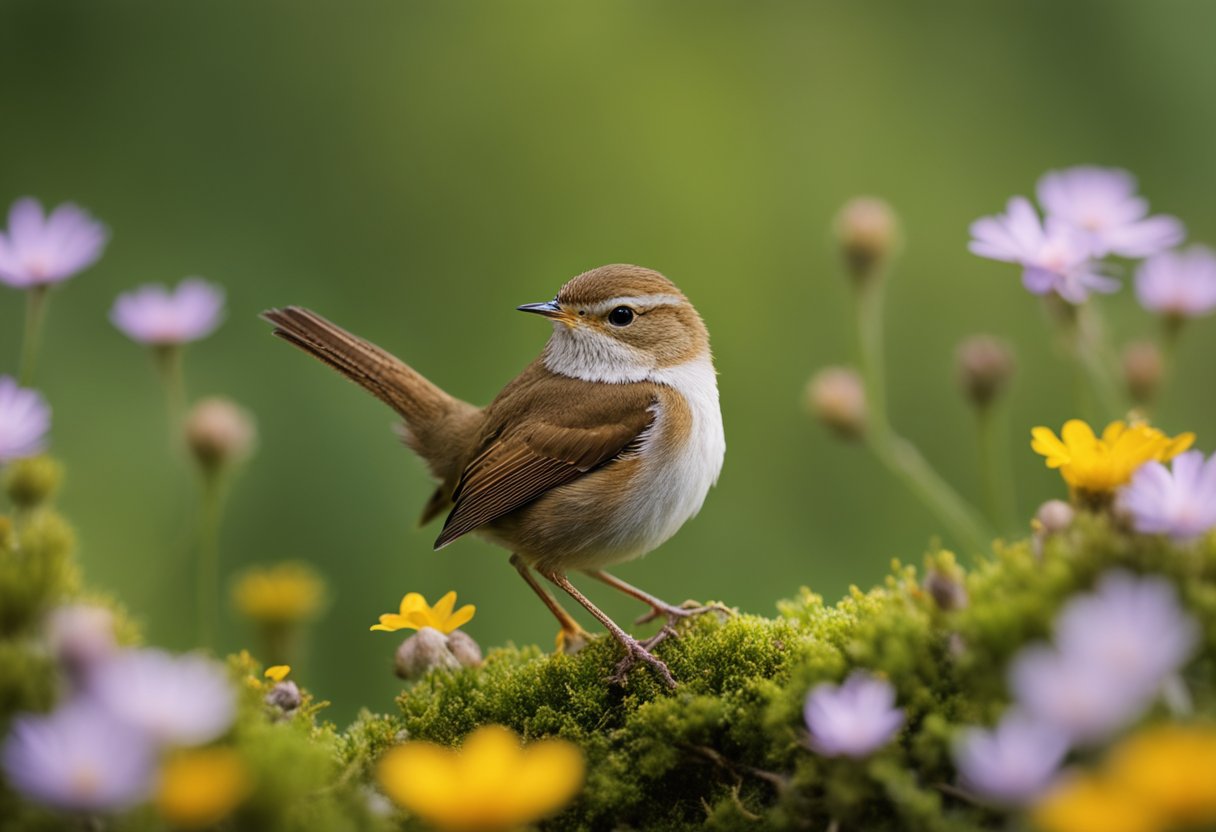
[209, 556]
[169, 364]
[1171, 332]
[37, 299]
[899, 455]
[1094, 356]
[994, 467]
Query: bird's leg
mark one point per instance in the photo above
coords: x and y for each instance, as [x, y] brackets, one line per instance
[635, 652]
[572, 637]
[658, 607]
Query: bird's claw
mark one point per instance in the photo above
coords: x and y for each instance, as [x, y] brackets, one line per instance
[636, 652]
[688, 609]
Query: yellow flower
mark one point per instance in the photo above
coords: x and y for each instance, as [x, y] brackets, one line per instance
[1100, 465]
[1173, 769]
[489, 784]
[285, 593]
[415, 614]
[200, 788]
[1088, 803]
[278, 673]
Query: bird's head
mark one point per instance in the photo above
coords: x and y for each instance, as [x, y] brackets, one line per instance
[620, 324]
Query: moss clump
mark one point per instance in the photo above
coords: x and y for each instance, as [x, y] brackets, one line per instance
[728, 749]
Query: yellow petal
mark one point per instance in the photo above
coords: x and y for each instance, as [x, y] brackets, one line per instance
[278, 672]
[1046, 443]
[1086, 803]
[459, 618]
[391, 623]
[1171, 768]
[201, 788]
[1112, 431]
[443, 607]
[551, 776]
[422, 777]
[411, 602]
[1078, 433]
[1177, 445]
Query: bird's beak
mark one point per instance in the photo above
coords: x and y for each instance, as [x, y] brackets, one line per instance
[550, 309]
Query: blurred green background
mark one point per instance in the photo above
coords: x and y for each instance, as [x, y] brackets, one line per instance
[416, 170]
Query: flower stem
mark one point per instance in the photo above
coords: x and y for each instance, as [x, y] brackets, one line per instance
[36, 301]
[209, 556]
[994, 467]
[1094, 357]
[899, 455]
[169, 363]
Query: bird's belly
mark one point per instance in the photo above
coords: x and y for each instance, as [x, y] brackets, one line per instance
[630, 506]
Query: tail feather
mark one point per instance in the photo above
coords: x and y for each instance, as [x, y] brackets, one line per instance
[436, 424]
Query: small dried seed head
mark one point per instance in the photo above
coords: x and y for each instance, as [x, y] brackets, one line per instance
[80, 636]
[946, 589]
[985, 365]
[1143, 368]
[424, 651]
[837, 397]
[284, 695]
[32, 481]
[867, 231]
[219, 432]
[1053, 517]
[464, 648]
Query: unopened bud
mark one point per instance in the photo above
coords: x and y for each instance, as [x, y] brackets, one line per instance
[423, 652]
[464, 648]
[837, 397]
[985, 365]
[80, 636]
[32, 481]
[868, 233]
[946, 589]
[1053, 517]
[219, 432]
[1143, 369]
[284, 695]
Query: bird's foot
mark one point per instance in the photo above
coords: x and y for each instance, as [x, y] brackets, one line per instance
[636, 652]
[689, 609]
[572, 639]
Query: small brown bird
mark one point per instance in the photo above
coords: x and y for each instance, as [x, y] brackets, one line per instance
[596, 454]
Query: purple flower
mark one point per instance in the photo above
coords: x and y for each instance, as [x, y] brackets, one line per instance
[1054, 257]
[1102, 204]
[153, 315]
[1080, 700]
[1013, 763]
[853, 719]
[1181, 284]
[38, 250]
[1130, 627]
[176, 700]
[78, 758]
[25, 418]
[1181, 504]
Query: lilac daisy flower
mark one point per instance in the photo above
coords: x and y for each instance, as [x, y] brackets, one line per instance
[1102, 203]
[25, 418]
[1181, 504]
[78, 758]
[1131, 627]
[1054, 257]
[853, 719]
[1080, 700]
[38, 250]
[1181, 284]
[177, 700]
[1013, 763]
[154, 315]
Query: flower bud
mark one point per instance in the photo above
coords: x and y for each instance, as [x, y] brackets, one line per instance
[284, 695]
[1143, 369]
[219, 432]
[836, 397]
[424, 651]
[80, 636]
[868, 234]
[985, 365]
[946, 589]
[464, 648]
[32, 481]
[1053, 517]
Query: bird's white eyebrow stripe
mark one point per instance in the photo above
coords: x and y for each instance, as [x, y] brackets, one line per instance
[635, 301]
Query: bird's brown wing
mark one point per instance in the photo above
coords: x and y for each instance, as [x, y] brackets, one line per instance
[518, 465]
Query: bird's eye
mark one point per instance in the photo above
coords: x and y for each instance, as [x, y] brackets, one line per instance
[621, 316]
